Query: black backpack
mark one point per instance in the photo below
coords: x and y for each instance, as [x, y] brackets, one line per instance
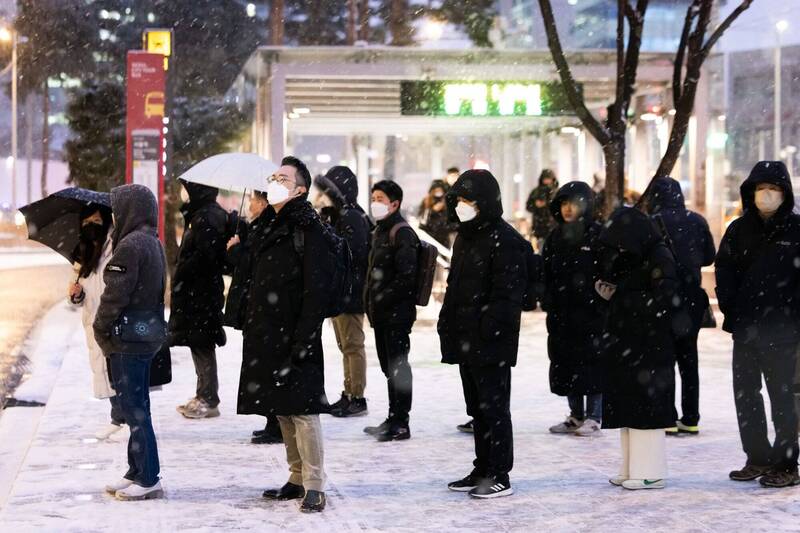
[339, 266]
[426, 265]
[534, 289]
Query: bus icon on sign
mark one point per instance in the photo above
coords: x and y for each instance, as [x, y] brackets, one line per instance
[154, 104]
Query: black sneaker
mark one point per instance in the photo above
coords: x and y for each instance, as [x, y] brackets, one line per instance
[259, 432]
[749, 473]
[394, 432]
[491, 488]
[466, 427]
[464, 485]
[780, 478]
[354, 407]
[340, 404]
[314, 502]
[290, 491]
[374, 430]
[268, 436]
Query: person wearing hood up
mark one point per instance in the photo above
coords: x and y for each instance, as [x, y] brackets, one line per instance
[390, 300]
[135, 280]
[241, 249]
[288, 295]
[693, 247]
[639, 280]
[538, 204]
[433, 213]
[758, 286]
[575, 312]
[479, 324]
[351, 223]
[197, 294]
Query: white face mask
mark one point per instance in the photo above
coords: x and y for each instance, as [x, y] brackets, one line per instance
[379, 210]
[465, 212]
[277, 193]
[768, 201]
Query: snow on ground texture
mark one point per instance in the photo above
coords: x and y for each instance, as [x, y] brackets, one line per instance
[214, 477]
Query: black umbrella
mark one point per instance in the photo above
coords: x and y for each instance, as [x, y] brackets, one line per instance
[55, 220]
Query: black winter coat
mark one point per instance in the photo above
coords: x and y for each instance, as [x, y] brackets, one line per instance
[639, 357]
[197, 286]
[542, 219]
[575, 312]
[352, 224]
[758, 266]
[240, 260]
[282, 361]
[390, 291]
[480, 318]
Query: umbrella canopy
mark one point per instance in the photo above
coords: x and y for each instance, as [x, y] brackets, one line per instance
[232, 172]
[55, 220]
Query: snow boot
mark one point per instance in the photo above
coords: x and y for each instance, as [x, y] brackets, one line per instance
[289, 491]
[492, 488]
[341, 403]
[314, 502]
[199, 410]
[355, 407]
[749, 473]
[136, 492]
[570, 425]
[780, 478]
[394, 432]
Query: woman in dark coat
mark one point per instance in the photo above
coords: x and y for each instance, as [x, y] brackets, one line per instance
[575, 312]
[639, 279]
[538, 205]
[433, 214]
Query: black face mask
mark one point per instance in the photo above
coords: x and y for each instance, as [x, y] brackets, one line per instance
[93, 232]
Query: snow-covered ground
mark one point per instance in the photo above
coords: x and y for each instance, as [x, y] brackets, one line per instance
[23, 257]
[214, 477]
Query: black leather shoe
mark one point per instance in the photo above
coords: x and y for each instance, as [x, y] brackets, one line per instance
[290, 491]
[314, 502]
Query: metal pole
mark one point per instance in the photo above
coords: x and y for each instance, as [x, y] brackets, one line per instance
[777, 122]
[14, 121]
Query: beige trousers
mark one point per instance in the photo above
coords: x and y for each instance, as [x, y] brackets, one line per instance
[302, 436]
[349, 330]
[644, 454]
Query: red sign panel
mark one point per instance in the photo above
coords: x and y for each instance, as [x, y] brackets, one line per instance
[146, 88]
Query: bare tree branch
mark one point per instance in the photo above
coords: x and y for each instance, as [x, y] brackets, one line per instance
[567, 81]
[632, 55]
[724, 26]
[680, 56]
[622, 7]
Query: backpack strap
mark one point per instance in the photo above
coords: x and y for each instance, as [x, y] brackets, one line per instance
[397, 227]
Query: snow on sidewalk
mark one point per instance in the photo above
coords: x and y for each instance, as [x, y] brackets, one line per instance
[214, 477]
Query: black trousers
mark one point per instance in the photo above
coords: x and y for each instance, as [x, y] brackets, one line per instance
[777, 364]
[487, 392]
[393, 345]
[686, 357]
[205, 366]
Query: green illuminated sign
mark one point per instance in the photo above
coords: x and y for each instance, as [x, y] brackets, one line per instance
[476, 99]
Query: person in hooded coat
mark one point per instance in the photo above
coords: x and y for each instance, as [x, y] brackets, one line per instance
[240, 259]
[693, 247]
[92, 253]
[758, 286]
[575, 312]
[135, 280]
[390, 299]
[639, 279]
[282, 334]
[538, 204]
[350, 222]
[433, 213]
[479, 324]
[197, 295]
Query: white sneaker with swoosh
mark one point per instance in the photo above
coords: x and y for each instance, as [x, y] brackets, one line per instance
[643, 484]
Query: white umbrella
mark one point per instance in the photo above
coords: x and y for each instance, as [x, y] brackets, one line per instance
[232, 172]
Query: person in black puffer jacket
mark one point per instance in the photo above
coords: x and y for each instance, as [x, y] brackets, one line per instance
[479, 324]
[340, 187]
[390, 298]
[758, 287]
[693, 246]
[538, 205]
[639, 279]
[575, 312]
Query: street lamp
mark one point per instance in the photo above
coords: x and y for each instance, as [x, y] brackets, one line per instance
[8, 35]
[781, 26]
